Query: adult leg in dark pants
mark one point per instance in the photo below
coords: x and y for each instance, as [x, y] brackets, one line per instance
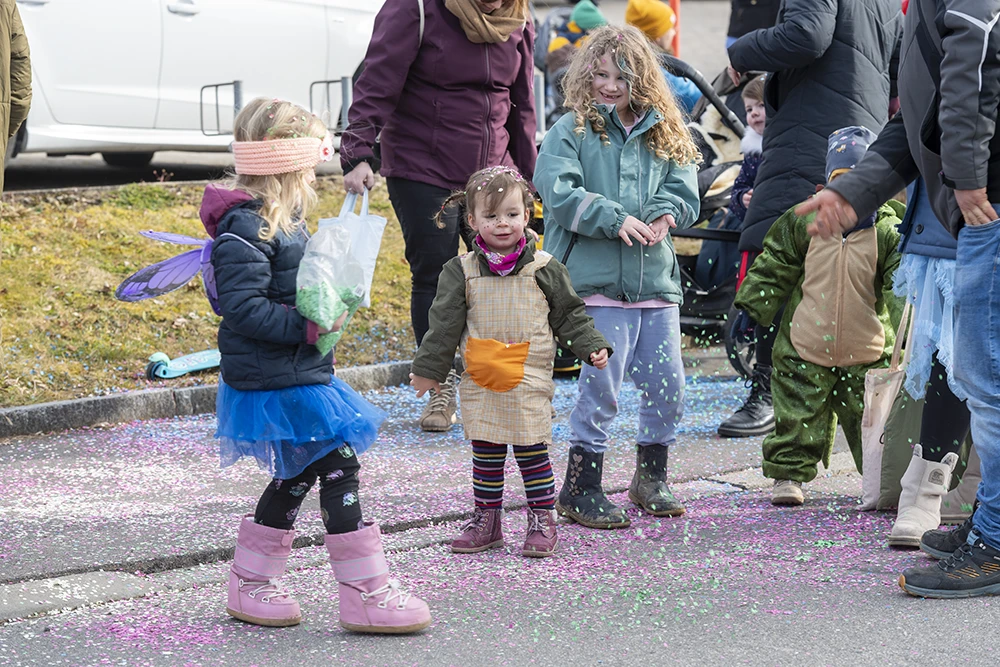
[944, 428]
[756, 416]
[428, 247]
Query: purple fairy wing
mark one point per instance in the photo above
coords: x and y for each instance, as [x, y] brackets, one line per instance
[208, 278]
[178, 239]
[162, 277]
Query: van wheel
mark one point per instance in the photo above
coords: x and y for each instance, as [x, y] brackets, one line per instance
[128, 160]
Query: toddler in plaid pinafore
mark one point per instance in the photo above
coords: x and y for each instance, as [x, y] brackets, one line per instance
[503, 305]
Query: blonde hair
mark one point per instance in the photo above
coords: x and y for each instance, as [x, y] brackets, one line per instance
[668, 139]
[287, 197]
[489, 187]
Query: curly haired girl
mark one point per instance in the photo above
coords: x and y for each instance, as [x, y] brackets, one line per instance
[616, 175]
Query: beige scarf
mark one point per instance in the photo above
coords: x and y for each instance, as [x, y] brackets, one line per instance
[483, 28]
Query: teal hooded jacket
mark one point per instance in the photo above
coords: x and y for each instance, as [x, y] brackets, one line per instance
[588, 187]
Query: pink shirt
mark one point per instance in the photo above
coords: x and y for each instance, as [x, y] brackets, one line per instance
[606, 302]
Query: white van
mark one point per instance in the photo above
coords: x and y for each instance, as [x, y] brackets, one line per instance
[126, 78]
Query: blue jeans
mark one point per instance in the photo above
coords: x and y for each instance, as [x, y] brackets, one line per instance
[977, 360]
[647, 347]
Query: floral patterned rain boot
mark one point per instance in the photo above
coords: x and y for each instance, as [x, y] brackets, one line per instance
[582, 498]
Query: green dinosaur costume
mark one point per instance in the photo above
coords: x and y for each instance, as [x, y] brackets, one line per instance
[839, 322]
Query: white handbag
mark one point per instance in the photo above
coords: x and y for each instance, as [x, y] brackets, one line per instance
[366, 237]
[881, 387]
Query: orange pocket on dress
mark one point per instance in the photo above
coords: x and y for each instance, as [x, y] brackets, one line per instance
[494, 365]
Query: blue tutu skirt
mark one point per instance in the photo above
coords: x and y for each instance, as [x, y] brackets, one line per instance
[287, 429]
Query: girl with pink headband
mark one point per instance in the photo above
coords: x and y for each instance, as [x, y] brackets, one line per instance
[278, 400]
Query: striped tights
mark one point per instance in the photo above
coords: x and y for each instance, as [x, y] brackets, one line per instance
[536, 471]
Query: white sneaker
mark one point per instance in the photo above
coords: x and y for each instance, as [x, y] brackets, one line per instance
[787, 492]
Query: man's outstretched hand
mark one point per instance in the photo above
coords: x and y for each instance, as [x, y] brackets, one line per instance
[834, 215]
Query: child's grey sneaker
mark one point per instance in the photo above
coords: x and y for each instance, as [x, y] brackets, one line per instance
[787, 492]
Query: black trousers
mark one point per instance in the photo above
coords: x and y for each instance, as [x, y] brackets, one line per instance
[339, 504]
[944, 425]
[765, 340]
[427, 246]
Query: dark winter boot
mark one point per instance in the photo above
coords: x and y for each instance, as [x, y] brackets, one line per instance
[582, 498]
[649, 489]
[756, 417]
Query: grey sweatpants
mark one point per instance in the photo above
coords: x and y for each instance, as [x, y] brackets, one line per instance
[646, 344]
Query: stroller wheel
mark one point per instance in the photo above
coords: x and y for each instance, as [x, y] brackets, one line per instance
[740, 350]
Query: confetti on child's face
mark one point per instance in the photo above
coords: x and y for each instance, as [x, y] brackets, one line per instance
[502, 229]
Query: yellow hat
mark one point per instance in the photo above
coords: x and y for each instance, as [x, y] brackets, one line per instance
[653, 17]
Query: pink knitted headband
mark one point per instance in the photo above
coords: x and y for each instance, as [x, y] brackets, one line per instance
[281, 156]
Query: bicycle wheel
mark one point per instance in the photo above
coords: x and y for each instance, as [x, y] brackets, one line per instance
[742, 350]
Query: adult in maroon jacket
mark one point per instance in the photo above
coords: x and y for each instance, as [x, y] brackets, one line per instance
[444, 95]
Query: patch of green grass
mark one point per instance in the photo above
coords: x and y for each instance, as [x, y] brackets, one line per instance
[62, 333]
[143, 196]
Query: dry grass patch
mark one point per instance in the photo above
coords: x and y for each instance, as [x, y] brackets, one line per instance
[62, 333]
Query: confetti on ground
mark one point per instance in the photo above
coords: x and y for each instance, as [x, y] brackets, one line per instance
[732, 581]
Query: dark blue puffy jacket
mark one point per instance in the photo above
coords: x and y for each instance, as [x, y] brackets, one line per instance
[922, 233]
[262, 337]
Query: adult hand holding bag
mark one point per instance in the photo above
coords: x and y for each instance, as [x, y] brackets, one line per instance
[365, 231]
[881, 387]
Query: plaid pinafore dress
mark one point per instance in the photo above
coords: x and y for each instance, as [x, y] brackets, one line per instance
[508, 347]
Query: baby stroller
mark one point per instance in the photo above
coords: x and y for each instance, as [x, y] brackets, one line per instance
[709, 274]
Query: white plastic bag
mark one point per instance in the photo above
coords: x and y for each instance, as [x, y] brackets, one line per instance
[366, 237]
[330, 283]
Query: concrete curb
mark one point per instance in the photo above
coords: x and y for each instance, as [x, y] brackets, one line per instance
[167, 403]
[160, 403]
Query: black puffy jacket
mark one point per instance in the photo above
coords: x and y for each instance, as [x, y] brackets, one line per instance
[262, 337]
[749, 15]
[830, 64]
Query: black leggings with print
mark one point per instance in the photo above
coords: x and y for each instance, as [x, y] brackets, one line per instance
[337, 473]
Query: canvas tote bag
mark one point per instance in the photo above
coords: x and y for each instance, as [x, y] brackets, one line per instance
[881, 387]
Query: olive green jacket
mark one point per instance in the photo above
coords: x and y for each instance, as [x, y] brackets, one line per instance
[572, 327]
[15, 76]
[840, 310]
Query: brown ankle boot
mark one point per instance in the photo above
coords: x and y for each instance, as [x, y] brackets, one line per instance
[483, 531]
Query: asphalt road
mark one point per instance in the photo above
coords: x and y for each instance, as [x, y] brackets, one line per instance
[703, 27]
[734, 581]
